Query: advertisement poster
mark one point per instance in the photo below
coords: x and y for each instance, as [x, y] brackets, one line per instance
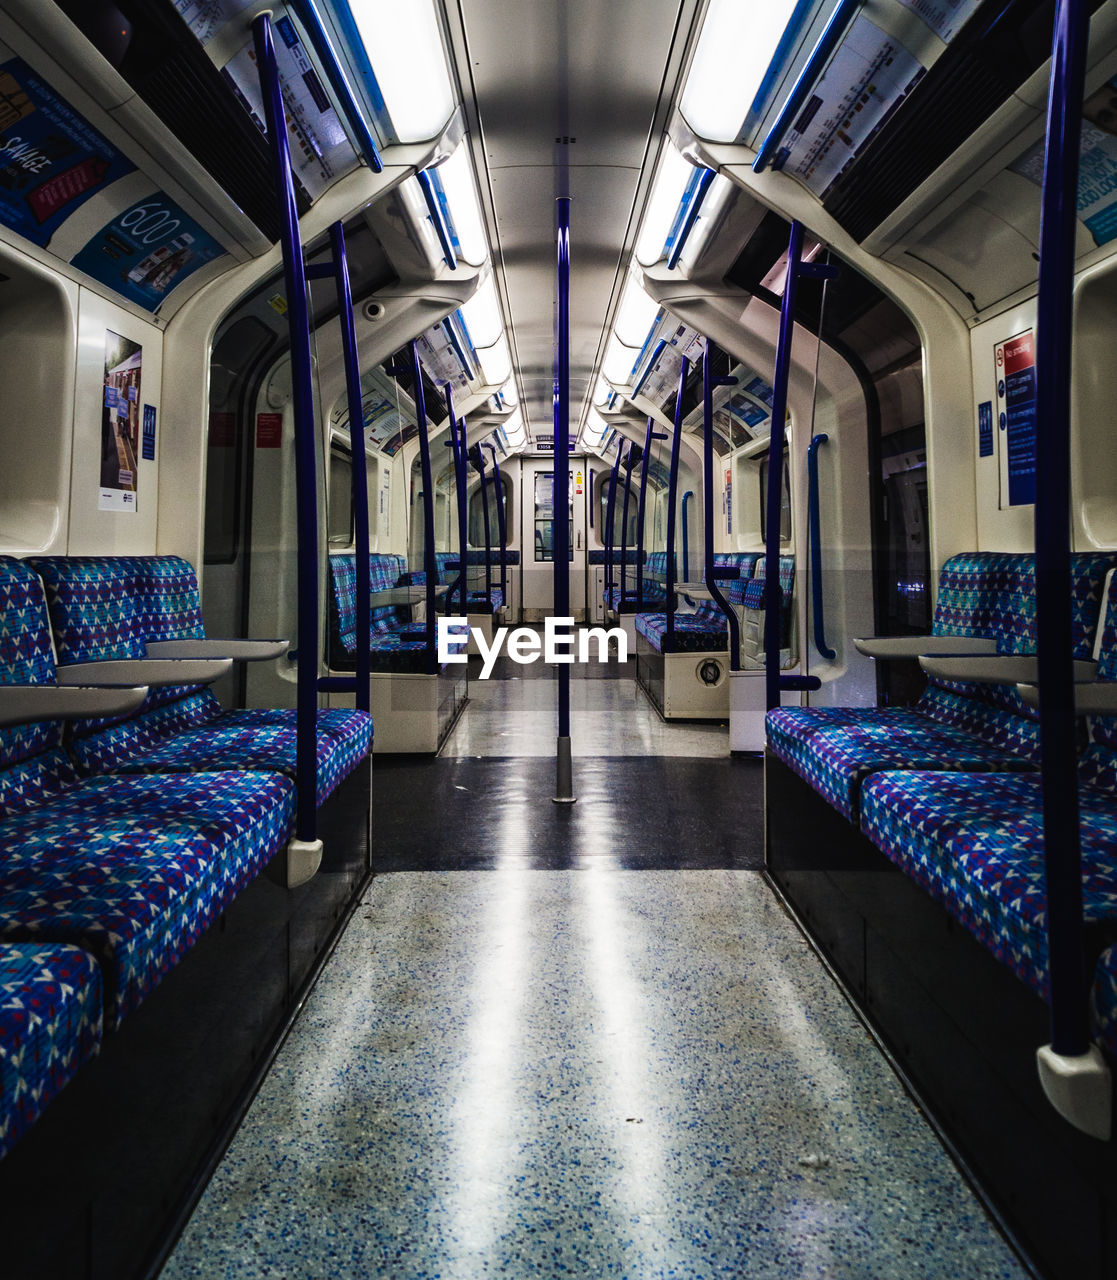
[148, 250]
[1097, 164]
[866, 78]
[1016, 418]
[120, 423]
[320, 148]
[51, 159]
[985, 429]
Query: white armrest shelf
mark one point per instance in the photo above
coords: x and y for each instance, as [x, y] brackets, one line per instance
[150, 671]
[916, 646]
[238, 650]
[26, 703]
[1096, 699]
[996, 669]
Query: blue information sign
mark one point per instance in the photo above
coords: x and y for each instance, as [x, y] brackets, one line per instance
[147, 446]
[1020, 411]
[985, 429]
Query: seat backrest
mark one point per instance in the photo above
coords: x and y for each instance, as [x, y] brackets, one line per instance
[1098, 765]
[992, 595]
[32, 762]
[743, 561]
[384, 572]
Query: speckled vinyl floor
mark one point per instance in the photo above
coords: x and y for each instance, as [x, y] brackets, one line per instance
[597, 1072]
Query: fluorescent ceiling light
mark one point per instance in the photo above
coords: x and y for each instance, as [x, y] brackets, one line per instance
[508, 391]
[482, 315]
[734, 52]
[404, 46]
[496, 363]
[461, 195]
[618, 362]
[514, 429]
[668, 188]
[635, 314]
[595, 427]
[602, 392]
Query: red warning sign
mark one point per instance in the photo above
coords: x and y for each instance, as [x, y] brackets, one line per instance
[269, 430]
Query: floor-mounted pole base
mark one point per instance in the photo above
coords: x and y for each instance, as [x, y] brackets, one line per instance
[295, 863]
[564, 774]
[1079, 1088]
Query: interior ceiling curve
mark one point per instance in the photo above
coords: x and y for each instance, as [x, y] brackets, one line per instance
[569, 98]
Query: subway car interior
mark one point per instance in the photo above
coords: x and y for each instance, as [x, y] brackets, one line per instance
[558, 639]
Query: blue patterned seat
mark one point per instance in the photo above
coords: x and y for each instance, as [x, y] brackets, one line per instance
[704, 631]
[975, 841]
[395, 644]
[107, 607]
[131, 868]
[964, 727]
[655, 591]
[50, 1024]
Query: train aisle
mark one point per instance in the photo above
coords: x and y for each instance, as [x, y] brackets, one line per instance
[611, 1055]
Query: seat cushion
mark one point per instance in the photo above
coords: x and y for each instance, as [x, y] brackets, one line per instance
[975, 842]
[693, 633]
[259, 739]
[836, 748]
[134, 868]
[50, 1023]
[1103, 1000]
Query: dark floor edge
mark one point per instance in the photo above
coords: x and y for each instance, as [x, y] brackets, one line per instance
[910, 1088]
[182, 1213]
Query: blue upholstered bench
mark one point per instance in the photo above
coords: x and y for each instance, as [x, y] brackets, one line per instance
[962, 727]
[50, 1024]
[655, 592]
[705, 630]
[975, 842]
[111, 607]
[130, 868]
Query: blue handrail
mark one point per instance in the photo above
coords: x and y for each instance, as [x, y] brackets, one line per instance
[501, 522]
[704, 182]
[488, 532]
[672, 489]
[426, 184]
[814, 539]
[451, 333]
[302, 395]
[350, 108]
[649, 366]
[607, 532]
[1058, 227]
[561, 490]
[430, 563]
[360, 465]
[709, 381]
[624, 533]
[813, 68]
[461, 484]
[641, 507]
[688, 497]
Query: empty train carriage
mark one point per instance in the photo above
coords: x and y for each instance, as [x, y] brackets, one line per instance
[558, 652]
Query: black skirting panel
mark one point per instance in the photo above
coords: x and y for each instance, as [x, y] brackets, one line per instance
[98, 1187]
[962, 1028]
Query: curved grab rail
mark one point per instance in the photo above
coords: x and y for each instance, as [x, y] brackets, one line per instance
[705, 181]
[688, 496]
[426, 183]
[672, 489]
[607, 532]
[812, 70]
[814, 541]
[501, 521]
[709, 381]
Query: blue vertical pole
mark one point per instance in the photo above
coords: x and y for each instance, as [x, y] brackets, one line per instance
[641, 507]
[688, 498]
[564, 783]
[501, 524]
[624, 531]
[1058, 227]
[461, 484]
[488, 530]
[430, 564]
[302, 389]
[363, 692]
[708, 384]
[672, 490]
[773, 595]
[610, 511]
